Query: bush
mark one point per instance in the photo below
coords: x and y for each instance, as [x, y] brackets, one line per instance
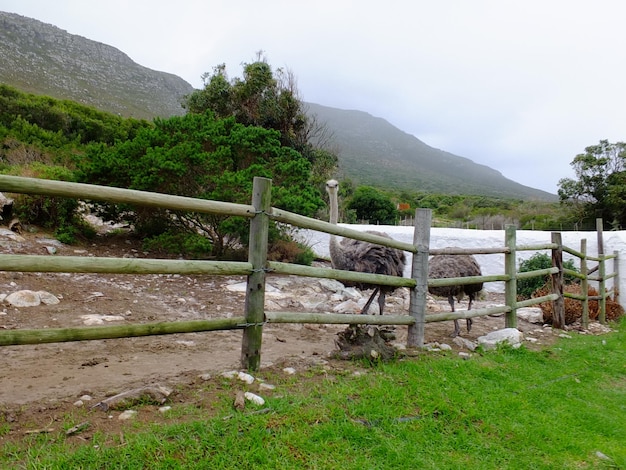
[192, 245]
[289, 251]
[526, 287]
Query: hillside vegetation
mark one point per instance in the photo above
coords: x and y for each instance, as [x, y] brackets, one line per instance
[41, 58]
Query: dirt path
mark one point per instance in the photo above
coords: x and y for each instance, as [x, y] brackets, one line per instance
[66, 370]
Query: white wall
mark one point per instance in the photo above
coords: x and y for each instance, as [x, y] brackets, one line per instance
[492, 264]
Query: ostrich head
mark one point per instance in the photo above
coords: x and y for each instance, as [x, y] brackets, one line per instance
[332, 188]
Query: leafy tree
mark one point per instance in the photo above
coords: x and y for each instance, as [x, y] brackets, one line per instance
[200, 156]
[267, 98]
[372, 205]
[599, 190]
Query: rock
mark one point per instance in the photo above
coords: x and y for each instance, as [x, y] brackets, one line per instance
[244, 377]
[530, 314]
[11, 235]
[128, 414]
[464, 343]
[349, 306]
[289, 370]
[257, 400]
[97, 319]
[24, 298]
[231, 374]
[507, 335]
[47, 298]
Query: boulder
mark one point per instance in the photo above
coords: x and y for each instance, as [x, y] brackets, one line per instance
[507, 335]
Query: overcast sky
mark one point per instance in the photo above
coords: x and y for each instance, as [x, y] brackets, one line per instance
[519, 86]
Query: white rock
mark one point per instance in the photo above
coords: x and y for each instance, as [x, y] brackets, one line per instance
[6, 233]
[565, 335]
[331, 285]
[464, 355]
[231, 374]
[239, 287]
[257, 400]
[507, 335]
[48, 298]
[266, 386]
[23, 298]
[247, 378]
[531, 340]
[79, 403]
[289, 370]
[445, 347]
[349, 306]
[464, 343]
[205, 377]
[530, 314]
[86, 398]
[97, 319]
[128, 414]
[163, 409]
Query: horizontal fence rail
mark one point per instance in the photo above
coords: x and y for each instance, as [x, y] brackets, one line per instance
[260, 212]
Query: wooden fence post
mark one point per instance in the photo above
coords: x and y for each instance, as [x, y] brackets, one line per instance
[510, 269]
[255, 292]
[584, 284]
[601, 272]
[419, 272]
[616, 278]
[558, 305]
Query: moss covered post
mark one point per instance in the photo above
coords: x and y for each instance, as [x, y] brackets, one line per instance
[558, 315]
[255, 292]
[510, 269]
[419, 272]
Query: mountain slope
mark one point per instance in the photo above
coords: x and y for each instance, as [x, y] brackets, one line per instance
[374, 152]
[43, 59]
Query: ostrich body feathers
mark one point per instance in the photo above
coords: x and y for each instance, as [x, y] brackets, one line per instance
[450, 266]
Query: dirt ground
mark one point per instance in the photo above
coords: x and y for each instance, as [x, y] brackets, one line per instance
[54, 376]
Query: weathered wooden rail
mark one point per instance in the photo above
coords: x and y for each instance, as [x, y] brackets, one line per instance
[258, 267]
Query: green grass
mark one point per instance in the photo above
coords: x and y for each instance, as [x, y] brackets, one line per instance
[517, 409]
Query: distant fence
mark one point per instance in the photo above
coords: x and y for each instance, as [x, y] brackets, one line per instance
[260, 212]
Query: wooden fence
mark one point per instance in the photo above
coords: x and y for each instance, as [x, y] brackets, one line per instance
[258, 267]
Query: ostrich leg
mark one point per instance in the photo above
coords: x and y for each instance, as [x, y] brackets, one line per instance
[366, 307]
[381, 302]
[457, 328]
[469, 307]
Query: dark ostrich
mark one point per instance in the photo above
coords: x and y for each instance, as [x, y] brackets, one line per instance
[448, 266]
[360, 256]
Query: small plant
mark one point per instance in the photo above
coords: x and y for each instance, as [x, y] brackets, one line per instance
[526, 287]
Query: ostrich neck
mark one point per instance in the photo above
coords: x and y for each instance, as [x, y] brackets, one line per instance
[334, 248]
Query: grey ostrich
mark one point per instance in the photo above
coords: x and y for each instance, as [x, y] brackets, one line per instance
[356, 255]
[447, 266]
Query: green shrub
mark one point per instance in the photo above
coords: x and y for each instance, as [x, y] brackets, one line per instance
[526, 287]
[192, 245]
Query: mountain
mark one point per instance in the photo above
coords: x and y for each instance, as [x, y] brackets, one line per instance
[43, 59]
[374, 152]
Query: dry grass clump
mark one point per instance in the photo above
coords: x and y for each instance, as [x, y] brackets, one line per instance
[574, 308]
